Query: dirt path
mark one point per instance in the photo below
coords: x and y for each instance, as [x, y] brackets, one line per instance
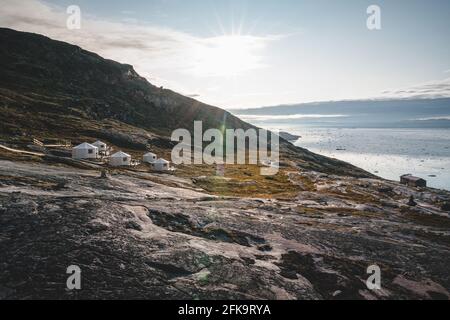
[22, 151]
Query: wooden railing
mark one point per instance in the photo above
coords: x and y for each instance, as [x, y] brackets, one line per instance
[62, 143]
[37, 142]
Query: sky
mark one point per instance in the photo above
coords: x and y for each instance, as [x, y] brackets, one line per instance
[254, 53]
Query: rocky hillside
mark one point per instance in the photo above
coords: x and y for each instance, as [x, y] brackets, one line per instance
[134, 236]
[309, 232]
[44, 75]
[53, 90]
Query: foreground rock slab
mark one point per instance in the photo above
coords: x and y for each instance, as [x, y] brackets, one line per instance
[134, 238]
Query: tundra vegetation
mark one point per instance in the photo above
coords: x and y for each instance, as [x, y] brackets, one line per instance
[308, 232]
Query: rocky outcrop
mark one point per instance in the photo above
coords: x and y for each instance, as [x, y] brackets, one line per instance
[288, 136]
[134, 238]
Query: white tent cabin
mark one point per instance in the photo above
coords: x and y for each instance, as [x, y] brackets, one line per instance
[120, 159]
[161, 165]
[85, 151]
[149, 157]
[102, 147]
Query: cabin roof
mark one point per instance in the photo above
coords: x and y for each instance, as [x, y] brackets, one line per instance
[85, 145]
[120, 154]
[150, 154]
[412, 178]
[98, 142]
[164, 161]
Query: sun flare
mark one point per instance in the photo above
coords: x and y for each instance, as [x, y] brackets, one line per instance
[228, 55]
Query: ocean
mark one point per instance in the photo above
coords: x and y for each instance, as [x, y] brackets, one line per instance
[386, 152]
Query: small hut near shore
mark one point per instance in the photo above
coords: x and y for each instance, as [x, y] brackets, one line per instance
[410, 180]
[119, 159]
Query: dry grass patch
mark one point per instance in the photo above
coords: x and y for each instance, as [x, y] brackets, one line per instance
[240, 181]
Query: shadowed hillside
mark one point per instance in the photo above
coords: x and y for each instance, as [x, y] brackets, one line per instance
[43, 75]
[53, 90]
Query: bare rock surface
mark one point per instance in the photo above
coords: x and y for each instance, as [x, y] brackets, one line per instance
[135, 238]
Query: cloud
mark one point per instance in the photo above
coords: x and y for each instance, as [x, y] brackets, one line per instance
[430, 90]
[433, 118]
[262, 117]
[150, 49]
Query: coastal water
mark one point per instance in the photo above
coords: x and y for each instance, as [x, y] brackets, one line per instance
[386, 152]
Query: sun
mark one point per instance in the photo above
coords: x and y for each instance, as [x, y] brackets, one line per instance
[227, 55]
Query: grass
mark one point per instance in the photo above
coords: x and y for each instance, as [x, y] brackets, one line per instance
[240, 181]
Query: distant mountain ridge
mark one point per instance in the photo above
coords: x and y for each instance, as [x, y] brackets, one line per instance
[366, 113]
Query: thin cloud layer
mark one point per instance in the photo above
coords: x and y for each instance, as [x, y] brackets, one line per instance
[254, 117]
[430, 90]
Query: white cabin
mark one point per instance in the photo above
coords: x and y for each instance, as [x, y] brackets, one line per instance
[102, 147]
[120, 159]
[85, 151]
[149, 157]
[161, 165]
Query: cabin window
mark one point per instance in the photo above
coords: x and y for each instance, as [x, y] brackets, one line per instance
[125, 159]
[90, 151]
